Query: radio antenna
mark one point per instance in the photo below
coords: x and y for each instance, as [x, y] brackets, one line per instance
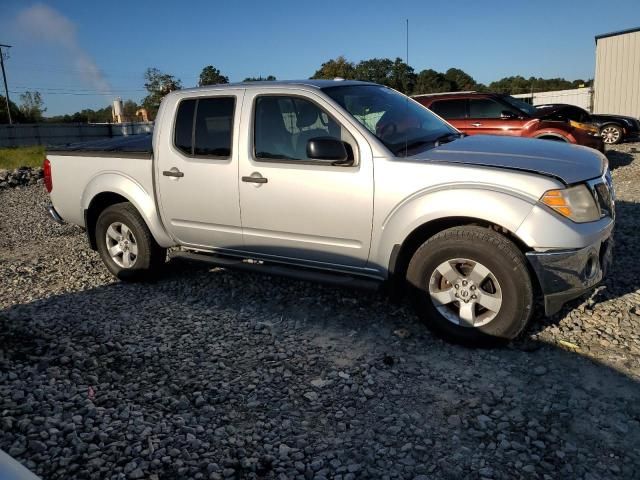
[406, 73]
[407, 60]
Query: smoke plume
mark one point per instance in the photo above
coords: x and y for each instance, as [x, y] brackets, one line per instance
[46, 24]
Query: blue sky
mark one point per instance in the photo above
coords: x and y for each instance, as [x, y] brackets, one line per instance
[71, 50]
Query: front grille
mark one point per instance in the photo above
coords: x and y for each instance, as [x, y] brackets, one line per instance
[604, 195]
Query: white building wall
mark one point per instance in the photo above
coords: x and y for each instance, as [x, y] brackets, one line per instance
[617, 77]
[580, 97]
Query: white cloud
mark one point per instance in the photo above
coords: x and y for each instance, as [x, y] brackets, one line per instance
[43, 23]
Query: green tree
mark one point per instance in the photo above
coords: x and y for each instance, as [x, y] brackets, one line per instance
[158, 85]
[377, 70]
[392, 73]
[211, 76]
[129, 109]
[402, 77]
[32, 106]
[513, 85]
[430, 81]
[16, 114]
[269, 78]
[338, 67]
[460, 80]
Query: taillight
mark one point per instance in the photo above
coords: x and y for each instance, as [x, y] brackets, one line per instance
[46, 170]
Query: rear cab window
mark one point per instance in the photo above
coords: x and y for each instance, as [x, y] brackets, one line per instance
[204, 127]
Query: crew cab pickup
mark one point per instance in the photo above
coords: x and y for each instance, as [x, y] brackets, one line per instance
[353, 183]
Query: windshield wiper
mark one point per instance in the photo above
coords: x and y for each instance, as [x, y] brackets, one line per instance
[445, 138]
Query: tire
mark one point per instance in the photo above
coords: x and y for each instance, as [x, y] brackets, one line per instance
[120, 226]
[611, 134]
[471, 252]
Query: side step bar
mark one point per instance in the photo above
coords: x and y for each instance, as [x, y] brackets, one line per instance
[299, 273]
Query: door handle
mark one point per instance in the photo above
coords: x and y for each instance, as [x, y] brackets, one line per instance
[255, 179]
[174, 172]
[476, 124]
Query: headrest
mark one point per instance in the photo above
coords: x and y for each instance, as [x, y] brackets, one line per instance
[307, 114]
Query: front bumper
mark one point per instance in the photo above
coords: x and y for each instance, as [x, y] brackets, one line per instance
[568, 274]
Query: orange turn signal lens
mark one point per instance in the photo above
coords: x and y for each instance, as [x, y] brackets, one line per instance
[556, 200]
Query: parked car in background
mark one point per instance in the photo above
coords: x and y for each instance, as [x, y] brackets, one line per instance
[613, 128]
[352, 183]
[497, 114]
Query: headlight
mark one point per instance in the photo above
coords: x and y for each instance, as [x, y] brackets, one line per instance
[576, 203]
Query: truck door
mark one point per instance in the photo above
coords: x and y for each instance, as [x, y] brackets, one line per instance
[294, 207]
[197, 170]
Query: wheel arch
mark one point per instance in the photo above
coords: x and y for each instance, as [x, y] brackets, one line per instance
[403, 252]
[553, 136]
[611, 122]
[111, 188]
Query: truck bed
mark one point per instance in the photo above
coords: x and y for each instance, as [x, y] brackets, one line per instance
[126, 146]
[121, 165]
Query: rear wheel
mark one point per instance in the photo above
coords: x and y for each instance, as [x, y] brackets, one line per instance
[611, 134]
[471, 285]
[125, 243]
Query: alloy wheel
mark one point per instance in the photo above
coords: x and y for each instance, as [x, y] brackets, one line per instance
[465, 292]
[610, 135]
[122, 245]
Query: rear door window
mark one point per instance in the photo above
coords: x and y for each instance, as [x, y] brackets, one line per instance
[204, 127]
[183, 131]
[214, 127]
[450, 109]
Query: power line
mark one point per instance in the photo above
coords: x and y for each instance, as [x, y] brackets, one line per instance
[74, 89]
[94, 94]
[4, 78]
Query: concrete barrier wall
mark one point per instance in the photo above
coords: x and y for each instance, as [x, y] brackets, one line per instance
[50, 134]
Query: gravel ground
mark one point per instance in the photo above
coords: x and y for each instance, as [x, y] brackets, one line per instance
[207, 373]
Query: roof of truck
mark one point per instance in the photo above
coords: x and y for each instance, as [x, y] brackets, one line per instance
[282, 83]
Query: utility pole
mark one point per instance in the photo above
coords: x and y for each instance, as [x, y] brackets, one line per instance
[4, 77]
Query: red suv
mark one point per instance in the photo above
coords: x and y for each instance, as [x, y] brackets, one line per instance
[496, 114]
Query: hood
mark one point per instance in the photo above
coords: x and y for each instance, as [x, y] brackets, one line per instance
[567, 162]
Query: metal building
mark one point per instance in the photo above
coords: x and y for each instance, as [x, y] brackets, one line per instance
[617, 78]
[580, 97]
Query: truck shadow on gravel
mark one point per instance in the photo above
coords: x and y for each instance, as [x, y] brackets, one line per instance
[619, 159]
[206, 370]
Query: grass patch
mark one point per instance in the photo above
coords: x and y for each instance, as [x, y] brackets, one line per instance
[11, 158]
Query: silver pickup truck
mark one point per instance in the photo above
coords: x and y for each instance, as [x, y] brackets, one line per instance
[352, 183]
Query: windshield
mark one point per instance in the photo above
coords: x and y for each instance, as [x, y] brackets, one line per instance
[520, 105]
[404, 126]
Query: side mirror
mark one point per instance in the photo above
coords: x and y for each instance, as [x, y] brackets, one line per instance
[507, 115]
[329, 149]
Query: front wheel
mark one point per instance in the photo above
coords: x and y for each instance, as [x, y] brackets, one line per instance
[125, 243]
[471, 285]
